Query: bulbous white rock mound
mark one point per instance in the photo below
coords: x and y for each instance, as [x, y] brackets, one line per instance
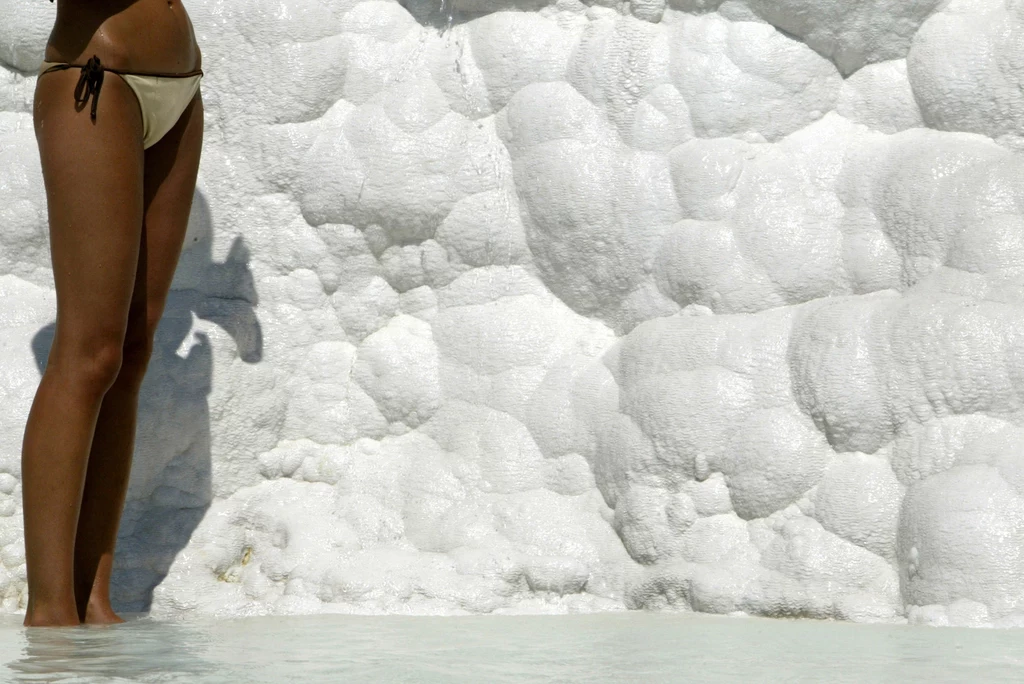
[549, 307]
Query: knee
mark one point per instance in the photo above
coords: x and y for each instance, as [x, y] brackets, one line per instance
[91, 365]
[137, 346]
[135, 354]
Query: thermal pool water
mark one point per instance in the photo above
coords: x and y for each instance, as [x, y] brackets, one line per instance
[608, 647]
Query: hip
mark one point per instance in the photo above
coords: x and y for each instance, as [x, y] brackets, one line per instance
[145, 36]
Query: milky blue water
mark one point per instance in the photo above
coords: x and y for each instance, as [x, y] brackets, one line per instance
[616, 647]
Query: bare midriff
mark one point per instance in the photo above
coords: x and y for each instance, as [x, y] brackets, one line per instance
[130, 35]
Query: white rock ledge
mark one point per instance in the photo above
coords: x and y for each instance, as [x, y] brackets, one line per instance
[702, 305]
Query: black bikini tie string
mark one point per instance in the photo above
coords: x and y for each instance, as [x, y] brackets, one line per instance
[89, 84]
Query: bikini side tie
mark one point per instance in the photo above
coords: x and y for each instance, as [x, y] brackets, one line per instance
[89, 84]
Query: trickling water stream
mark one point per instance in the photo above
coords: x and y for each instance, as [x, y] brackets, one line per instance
[447, 14]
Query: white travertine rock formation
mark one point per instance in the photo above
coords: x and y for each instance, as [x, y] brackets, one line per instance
[687, 304]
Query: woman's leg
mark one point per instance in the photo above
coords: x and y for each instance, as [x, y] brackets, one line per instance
[93, 172]
[171, 166]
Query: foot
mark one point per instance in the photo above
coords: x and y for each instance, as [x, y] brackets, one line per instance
[100, 613]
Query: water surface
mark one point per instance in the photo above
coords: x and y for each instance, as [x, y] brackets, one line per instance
[610, 647]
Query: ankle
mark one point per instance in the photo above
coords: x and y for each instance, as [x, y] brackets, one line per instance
[100, 612]
[44, 615]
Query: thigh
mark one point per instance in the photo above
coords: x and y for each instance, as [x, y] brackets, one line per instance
[171, 167]
[93, 174]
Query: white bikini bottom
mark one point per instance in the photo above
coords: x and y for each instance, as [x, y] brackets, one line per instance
[162, 97]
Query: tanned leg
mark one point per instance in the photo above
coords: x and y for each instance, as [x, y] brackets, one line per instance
[171, 166]
[93, 173]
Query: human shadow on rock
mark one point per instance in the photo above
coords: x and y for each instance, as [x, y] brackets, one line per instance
[170, 488]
